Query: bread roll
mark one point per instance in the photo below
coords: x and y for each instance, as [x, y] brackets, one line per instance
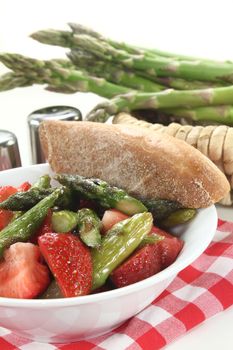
[146, 164]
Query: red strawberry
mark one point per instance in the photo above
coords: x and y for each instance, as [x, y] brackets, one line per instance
[170, 247]
[5, 218]
[6, 215]
[144, 263]
[22, 275]
[6, 191]
[110, 218]
[25, 186]
[45, 227]
[70, 262]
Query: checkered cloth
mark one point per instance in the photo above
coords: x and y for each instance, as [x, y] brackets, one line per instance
[200, 291]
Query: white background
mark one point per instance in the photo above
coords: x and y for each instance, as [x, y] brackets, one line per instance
[201, 28]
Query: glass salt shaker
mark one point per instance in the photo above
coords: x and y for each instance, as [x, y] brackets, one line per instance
[9, 151]
[64, 113]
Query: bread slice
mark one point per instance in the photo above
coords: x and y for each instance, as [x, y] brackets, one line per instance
[146, 164]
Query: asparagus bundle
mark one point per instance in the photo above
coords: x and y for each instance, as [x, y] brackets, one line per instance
[91, 50]
[138, 59]
[214, 141]
[137, 78]
[63, 76]
[109, 68]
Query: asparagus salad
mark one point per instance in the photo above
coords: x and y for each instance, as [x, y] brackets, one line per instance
[83, 236]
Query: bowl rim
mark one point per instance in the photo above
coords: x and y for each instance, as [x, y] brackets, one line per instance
[169, 272]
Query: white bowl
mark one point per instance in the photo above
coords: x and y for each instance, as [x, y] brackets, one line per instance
[71, 319]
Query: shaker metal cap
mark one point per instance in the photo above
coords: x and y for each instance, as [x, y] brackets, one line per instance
[65, 113]
[9, 150]
[56, 113]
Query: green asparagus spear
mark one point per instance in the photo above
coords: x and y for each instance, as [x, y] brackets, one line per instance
[178, 217]
[13, 80]
[118, 245]
[162, 100]
[161, 208]
[80, 29]
[64, 220]
[107, 196]
[22, 201]
[25, 200]
[21, 229]
[43, 182]
[222, 114]
[58, 76]
[112, 72]
[182, 84]
[67, 39]
[89, 227]
[135, 79]
[157, 65]
[151, 239]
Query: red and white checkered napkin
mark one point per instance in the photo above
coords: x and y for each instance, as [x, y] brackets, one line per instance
[200, 291]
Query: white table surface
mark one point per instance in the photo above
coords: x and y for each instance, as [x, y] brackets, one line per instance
[16, 105]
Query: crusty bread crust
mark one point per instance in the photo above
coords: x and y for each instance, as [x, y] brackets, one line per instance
[146, 164]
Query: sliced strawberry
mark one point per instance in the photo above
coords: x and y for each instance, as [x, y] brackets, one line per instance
[45, 227]
[70, 262]
[110, 218]
[6, 191]
[24, 187]
[170, 246]
[5, 218]
[144, 263]
[22, 274]
[6, 215]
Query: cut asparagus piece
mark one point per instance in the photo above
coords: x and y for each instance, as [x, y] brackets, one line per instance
[161, 208]
[64, 221]
[118, 244]
[25, 200]
[22, 201]
[151, 239]
[178, 217]
[107, 196]
[43, 182]
[21, 229]
[89, 227]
